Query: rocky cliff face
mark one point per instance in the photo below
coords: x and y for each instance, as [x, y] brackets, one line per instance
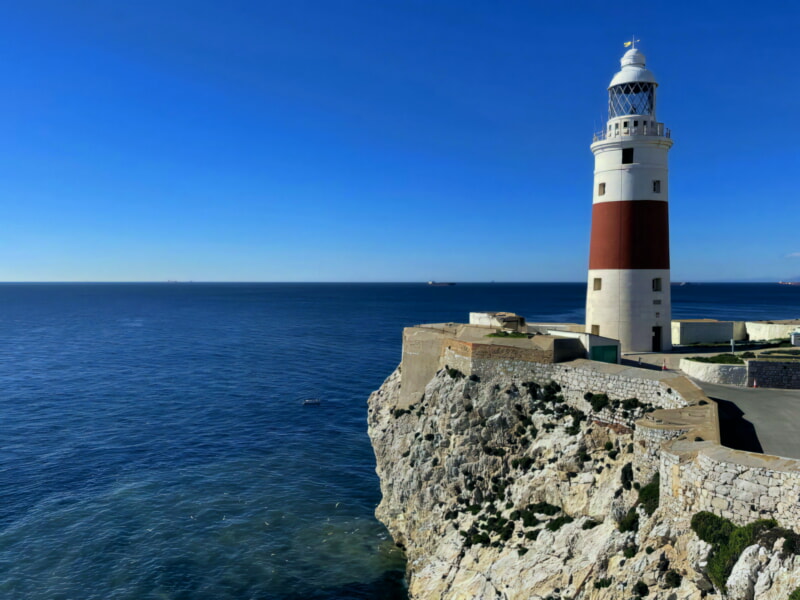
[498, 489]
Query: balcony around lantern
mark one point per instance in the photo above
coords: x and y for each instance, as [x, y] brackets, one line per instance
[658, 130]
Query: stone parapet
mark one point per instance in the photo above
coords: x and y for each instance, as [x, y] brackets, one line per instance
[715, 373]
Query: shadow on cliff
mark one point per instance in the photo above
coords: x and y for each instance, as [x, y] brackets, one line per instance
[737, 432]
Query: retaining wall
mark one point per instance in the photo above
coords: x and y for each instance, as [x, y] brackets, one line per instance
[736, 485]
[774, 373]
[715, 373]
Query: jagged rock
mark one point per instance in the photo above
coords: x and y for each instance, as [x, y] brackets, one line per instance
[470, 458]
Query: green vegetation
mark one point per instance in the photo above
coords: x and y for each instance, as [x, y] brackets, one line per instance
[641, 589]
[630, 522]
[795, 595]
[719, 359]
[454, 373]
[602, 583]
[556, 523]
[673, 579]
[590, 524]
[630, 551]
[727, 541]
[648, 495]
[626, 476]
[544, 508]
[598, 401]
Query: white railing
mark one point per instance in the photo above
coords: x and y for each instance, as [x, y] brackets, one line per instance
[658, 131]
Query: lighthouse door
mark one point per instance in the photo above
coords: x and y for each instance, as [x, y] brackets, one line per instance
[657, 339]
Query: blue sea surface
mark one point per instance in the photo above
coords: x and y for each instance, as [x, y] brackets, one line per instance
[153, 442]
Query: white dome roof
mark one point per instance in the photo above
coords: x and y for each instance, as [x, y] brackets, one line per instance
[633, 69]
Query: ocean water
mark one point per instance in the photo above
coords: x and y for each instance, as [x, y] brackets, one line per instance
[153, 443]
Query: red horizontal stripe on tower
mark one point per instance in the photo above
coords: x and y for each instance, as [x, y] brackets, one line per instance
[630, 235]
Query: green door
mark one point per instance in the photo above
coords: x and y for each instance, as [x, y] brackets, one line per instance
[604, 354]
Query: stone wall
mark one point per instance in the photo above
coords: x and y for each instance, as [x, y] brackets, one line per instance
[774, 373]
[714, 373]
[580, 376]
[736, 485]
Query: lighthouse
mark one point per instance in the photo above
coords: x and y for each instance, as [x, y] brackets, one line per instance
[628, 292]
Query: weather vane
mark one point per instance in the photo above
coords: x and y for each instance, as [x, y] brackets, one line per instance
[632, 43]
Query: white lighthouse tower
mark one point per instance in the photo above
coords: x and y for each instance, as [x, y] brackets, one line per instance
[628, 295]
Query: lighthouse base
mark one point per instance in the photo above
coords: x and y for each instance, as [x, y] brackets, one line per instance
[631, 305]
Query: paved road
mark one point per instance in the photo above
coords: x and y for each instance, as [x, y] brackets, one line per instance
[760, 419]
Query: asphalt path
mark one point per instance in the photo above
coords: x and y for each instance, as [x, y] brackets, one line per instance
[758, 420]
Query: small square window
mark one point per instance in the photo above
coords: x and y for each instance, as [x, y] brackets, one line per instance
[636, 123]
[657, 186]
[658, 315]
[598, 284]
[625, 124]
[616, 126]
[595, 329]
[657, 284]
[656, 301]
[627, 156]
[601, 189]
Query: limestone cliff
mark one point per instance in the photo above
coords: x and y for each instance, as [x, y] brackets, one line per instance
[500, 489]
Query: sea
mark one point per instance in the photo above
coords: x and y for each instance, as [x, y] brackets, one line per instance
[154, 443]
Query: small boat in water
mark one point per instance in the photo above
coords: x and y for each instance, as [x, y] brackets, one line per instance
[440, 283]
[311, 402]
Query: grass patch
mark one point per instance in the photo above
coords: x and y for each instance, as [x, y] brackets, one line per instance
[719, 359]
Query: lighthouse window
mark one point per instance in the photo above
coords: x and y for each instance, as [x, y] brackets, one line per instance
[601, 189]
[636, 123]
[627, 156]
[657, 284]
[598, 284]
[657, 186]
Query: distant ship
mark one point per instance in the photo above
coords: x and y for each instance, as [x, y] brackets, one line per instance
[440, 283]
[789, 282]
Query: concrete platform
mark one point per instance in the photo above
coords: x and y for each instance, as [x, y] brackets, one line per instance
[758, 420]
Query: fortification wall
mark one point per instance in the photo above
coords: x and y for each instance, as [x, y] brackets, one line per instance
[681, 441]
[740, 486]
[774, 373]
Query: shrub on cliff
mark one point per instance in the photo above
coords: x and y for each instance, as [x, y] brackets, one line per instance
[626, 476]
[673, 579]
[648, 495]
[795, 595]
[454, 373]
[641, 589]
[544, 508]
[556, 523]
[727, 542]
[630, 522]
[598, 401]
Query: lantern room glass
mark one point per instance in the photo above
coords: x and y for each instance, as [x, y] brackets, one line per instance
[637, 98]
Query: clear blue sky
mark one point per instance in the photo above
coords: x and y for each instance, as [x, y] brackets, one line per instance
[381, 140]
